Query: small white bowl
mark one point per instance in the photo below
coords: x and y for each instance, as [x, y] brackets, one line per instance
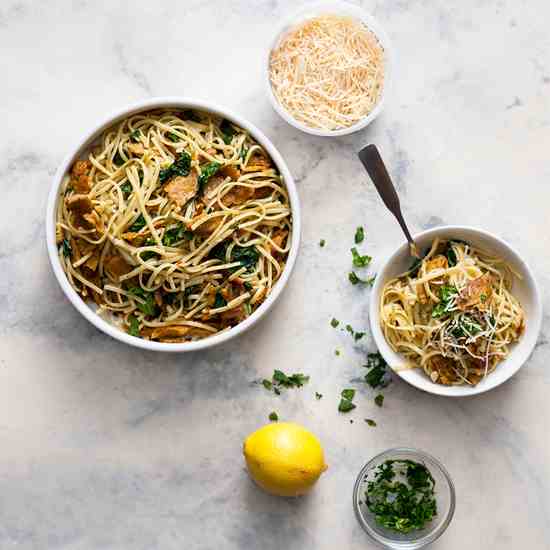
[525, 290]
[337, 8]
[84, 144]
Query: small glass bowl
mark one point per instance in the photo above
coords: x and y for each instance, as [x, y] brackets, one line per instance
[444, 495]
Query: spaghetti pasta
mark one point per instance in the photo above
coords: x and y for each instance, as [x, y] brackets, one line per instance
[453, 314]
[177, 225]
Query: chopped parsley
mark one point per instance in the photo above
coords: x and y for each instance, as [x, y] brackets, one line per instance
[207, 172]
[134, 325]
[401, 495]
[355, 279]
[378, 373]
[379, 400]
[334, 323]
[273, 416]
[336, 352]
[446, 296]
[359, 235]
[358, 260]
[358, 335]
[318, 396]
[281, 380]
[346, 404]
[180, 167]
[370, 422]
[67, 248]
[322, 243]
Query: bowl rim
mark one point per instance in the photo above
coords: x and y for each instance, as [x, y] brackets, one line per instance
[372, 24]
[429, 537]
[533, 326]
[85, 140]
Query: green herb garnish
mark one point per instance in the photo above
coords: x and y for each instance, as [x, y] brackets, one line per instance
[180, 167]
[67, 248]
[348, 394]
[377, 375]
[274, 417]
[322, 243]
[318, 396]
[334, 323]
[345, 406]
[219, 301]
[118, 160]
[135, 135]
[248, 256]
[134, 325]
[148, 307]
[379, 400]
[370, 422]
[207, 172]
[189, 114]
[176, 234]
[358, 260]
[401, 495]
[358, 335]
[267, 384]
[226, 128]
[337, 352]
[139, 224]
[359, 235]
[446, 295]
[280, 380]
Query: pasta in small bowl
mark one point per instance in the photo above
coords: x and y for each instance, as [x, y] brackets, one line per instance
[174, 225]
[460, 320]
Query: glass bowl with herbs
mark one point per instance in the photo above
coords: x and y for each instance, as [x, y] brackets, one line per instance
[404, 499]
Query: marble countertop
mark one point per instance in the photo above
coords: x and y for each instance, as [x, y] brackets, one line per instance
[108, 447]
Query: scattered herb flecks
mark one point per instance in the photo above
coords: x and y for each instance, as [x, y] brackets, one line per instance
[322, 243]
[378, 375]
[280, 380]
[358, 260]
[359, 235]
[379, 400]
[219, 301]
[318, 396]
[370, 422]
[273, 416]
[401, 495]
[346, 404]
[447, 293]
[176, 234]
[148, 306]
[207, 172]
[334, 323]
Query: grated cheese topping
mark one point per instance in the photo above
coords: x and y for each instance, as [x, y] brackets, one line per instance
[328, 72]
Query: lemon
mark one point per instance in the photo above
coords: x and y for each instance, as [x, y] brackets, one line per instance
[284, 459]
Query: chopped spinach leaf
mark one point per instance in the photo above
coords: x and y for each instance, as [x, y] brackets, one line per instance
[67, 248]
[189, 114]
[138, 224]
[248, 256]
[226, 128]
[134, 325]
[207, 172]
[180, 167]
[176, 234]
[149, 307]
[118, 160]
[219, 301]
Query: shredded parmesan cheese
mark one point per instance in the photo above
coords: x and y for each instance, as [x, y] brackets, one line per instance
[328, 72]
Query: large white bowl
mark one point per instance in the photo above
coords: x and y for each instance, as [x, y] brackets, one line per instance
[525, 289]
[80, 149]
[310, 11]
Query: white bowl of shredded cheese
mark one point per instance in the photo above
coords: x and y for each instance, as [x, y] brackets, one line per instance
[328, 69]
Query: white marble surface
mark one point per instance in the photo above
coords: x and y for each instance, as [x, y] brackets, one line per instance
[107, 447]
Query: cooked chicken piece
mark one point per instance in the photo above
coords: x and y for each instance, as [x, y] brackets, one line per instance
[258, 162]
[279, 238]
[437, 262]
[95, 220]
[263, 192]
[237, 314]
[208, 227]
[171, 331]
[80, 205]
[477, 292]
[115, 266]
[212, 185]
[86, 248]
[230, 171]
[81, 167]
[136, 149]
[238, 194]
[444, 368]
[80, 181]
[182, 189]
